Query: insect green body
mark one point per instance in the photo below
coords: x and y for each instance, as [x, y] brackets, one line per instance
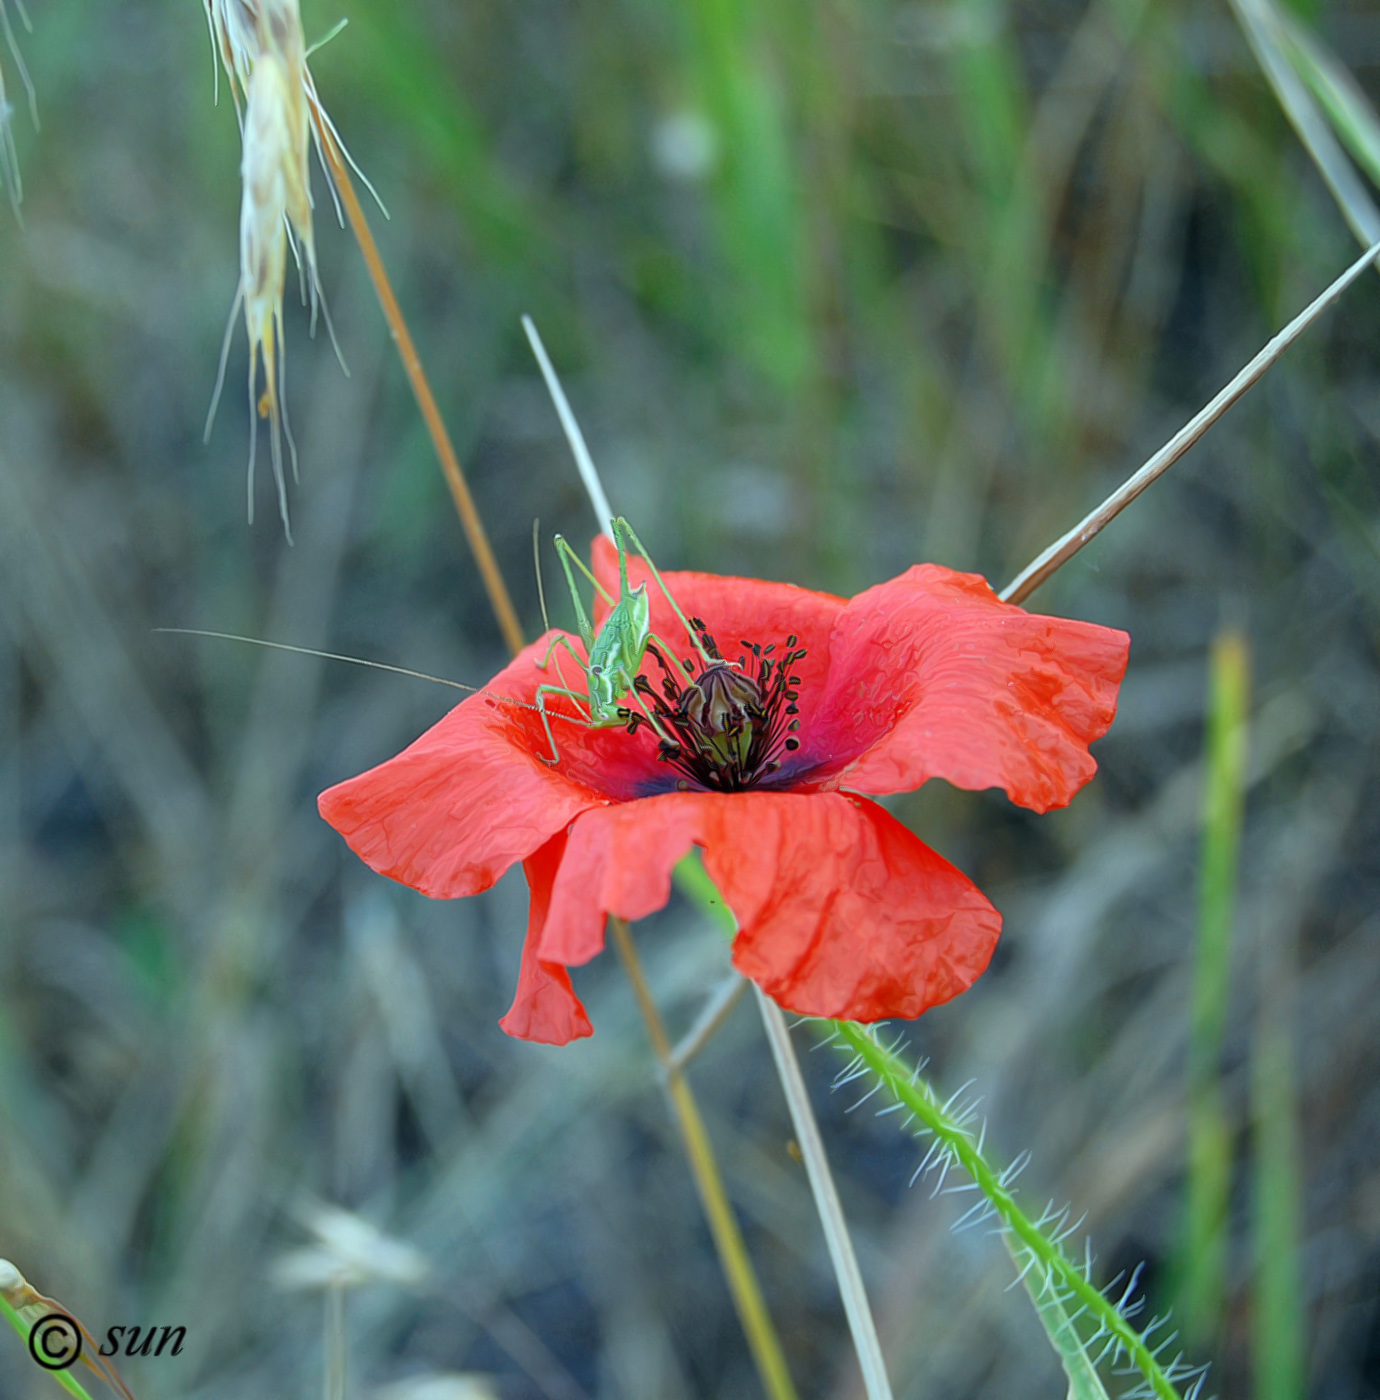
[615, 654]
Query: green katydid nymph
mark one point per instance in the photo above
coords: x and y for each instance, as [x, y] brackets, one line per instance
[616, 652]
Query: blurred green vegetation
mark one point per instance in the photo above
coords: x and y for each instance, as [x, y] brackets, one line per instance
[833, 288]
[1202, 1287]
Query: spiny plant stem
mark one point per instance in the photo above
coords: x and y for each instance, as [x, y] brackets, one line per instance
[904, 1084]
[728, 1239]
[407, 352]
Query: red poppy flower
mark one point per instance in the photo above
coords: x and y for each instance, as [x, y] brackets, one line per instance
[761, 762]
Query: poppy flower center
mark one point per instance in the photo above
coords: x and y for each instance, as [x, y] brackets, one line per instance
[726, 728]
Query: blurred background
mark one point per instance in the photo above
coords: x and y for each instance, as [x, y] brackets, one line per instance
[834, 288]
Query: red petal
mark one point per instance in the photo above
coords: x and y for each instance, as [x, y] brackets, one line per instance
[733, 608]
[931, 675]
[455, 809]
[545, 1007]
[618, 861]
[843, 912]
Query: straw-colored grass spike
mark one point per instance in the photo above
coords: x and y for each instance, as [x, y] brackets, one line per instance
[27, 1308]
[261, 47]
[266, 64]
[234, 34]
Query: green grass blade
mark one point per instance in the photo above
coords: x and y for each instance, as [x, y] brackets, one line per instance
[1084, 1382]
[1278, 1339]
[1025, 1238]
[760, 222]
[1266, 35]
[1341, 97]
[1202, 1268]
[389, 61]
[1278, 1314]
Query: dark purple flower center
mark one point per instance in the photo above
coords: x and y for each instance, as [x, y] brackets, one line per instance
[726, 728]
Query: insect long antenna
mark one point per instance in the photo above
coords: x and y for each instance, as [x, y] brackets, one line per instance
[353, 661]
[536, 565]
[589, 474]
[322, 655]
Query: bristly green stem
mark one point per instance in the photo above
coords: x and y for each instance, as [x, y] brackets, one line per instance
[906, 1087]
[1061, 1276]
[723, 1225]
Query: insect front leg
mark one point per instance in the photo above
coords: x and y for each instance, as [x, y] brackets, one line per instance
[560, 640]
[542, 692]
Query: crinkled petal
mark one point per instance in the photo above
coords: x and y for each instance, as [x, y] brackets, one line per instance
[843, 912]
[618, 861]
[932, 675]
[545, 1007]
[456, 808]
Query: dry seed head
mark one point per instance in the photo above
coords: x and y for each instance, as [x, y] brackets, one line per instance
[234, 25]
[263, 52]
[261, 47]
[442, 1385]
[349, 1252]
[274, 173]
[22, 1296]
[283, 52]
